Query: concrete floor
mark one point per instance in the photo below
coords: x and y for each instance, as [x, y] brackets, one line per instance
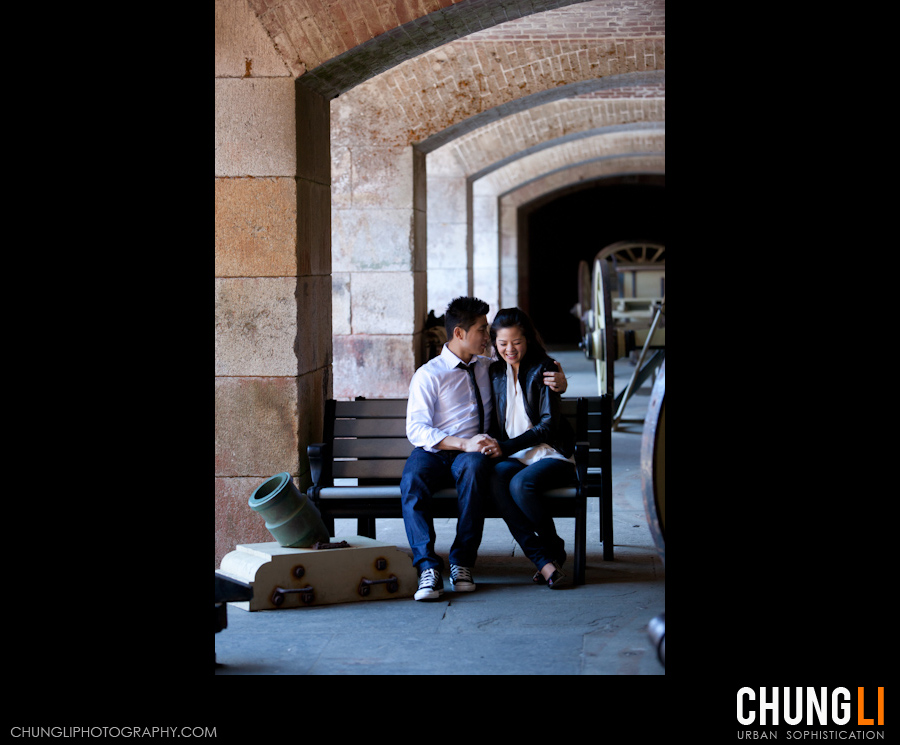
[508, 626]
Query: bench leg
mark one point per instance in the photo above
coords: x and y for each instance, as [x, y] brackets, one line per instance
[329, 524]
[606, 523]
[365, 527]
[580, 543]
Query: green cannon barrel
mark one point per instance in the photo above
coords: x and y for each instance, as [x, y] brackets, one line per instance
[290, 516]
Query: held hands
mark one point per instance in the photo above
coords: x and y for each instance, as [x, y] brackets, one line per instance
[483, 444]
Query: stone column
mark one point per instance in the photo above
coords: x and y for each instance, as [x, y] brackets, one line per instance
[485, 245]
[449, 236]
[379, 267]
[272, 266]
[509, 255]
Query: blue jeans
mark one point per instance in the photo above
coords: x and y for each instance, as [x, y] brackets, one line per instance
[518, 493]
[426, 473]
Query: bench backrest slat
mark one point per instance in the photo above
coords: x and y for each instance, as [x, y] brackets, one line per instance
[595, 439]
[373, 448]
[373, 407]
[370, 428]
[375, 469]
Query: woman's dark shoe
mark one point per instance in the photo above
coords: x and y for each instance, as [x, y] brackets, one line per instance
[540, 579]
[557, 579]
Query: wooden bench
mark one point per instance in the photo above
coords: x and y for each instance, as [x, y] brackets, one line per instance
[356, 470]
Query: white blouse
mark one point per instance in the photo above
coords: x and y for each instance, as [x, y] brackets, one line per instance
[517, 422]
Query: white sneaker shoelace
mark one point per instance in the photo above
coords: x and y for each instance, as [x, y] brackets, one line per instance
[461, 578]
[428, 579]
[460, 574]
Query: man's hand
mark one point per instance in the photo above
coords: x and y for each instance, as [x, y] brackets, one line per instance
[556, 380]
[483, 444]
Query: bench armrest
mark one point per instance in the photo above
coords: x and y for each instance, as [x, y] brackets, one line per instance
[319, 465]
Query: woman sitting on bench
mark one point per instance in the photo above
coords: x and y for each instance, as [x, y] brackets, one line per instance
[537, 442]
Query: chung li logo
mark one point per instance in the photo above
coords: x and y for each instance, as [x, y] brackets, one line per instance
[860, 711]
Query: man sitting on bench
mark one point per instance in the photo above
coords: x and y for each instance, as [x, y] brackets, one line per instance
[447, 416]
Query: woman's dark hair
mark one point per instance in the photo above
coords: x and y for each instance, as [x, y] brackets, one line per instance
[509, 317]
[463, 312]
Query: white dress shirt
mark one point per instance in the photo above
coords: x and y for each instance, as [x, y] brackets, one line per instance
[442, 402]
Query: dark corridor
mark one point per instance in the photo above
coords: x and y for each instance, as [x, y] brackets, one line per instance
[572, 227]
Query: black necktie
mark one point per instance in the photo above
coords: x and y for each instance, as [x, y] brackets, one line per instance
[471, 370]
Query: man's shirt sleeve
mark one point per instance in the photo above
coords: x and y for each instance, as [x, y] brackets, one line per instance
[423, 394]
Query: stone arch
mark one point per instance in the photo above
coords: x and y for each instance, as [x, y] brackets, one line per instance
[514, 204]
[496, 267]
[336, 48]
[466, 84]
[460, 162]
[639, 85]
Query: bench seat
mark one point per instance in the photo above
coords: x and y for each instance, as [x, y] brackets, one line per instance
[380, 492]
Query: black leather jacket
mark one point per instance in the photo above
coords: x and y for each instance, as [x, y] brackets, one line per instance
[541, 405]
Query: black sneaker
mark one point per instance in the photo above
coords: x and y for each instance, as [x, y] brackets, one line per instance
[431, 586]
[461, 578]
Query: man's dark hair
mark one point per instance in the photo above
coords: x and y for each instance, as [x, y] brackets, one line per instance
[463, 312]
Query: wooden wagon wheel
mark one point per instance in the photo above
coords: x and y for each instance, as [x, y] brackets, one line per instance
[603, 328]
[653, 463]
[635, 253]
[584, 308]
[623, 256]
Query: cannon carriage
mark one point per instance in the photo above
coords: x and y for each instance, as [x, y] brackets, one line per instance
[621, 310]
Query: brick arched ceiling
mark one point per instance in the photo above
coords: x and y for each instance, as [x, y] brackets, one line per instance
[613, 145]
[496, 143]
[623, 85]
[589, 171]
[336, 45]
[631, 138]
[591, 48]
